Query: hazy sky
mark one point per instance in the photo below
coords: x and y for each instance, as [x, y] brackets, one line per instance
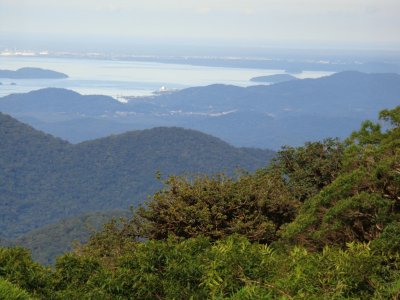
[375, 23]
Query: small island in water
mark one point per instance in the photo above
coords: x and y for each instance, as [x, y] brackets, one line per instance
[277, 78]
[32, 73]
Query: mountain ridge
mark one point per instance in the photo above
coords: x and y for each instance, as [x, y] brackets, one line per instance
[241, 116]
[44, 179]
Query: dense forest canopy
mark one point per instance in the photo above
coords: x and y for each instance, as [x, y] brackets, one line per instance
[44, 179]
[320, 222]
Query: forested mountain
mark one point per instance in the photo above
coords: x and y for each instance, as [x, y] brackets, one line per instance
[287, 113]
[31, 73]
[44, 179]
[320, 222]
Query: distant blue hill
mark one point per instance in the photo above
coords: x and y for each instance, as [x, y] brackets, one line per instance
[58, 100]
[290, 113]
[276, 78]
[32, 73]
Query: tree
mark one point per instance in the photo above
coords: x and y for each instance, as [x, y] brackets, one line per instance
[310, 168]
[363, 199]
[255, 206]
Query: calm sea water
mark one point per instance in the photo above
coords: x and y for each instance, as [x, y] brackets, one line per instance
[126, 78]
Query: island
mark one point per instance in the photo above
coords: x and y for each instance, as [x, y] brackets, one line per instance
[273, 78]
[32, 73]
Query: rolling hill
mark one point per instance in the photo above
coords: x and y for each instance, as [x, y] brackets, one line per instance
[45, 179]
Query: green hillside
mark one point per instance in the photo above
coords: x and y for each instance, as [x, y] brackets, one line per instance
[44, 179]
[52, 240]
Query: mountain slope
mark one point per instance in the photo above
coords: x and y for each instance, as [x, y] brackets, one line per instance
[52, 240]
[44, 179]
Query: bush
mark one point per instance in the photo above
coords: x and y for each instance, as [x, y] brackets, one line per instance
[17, 267]
[11, 292]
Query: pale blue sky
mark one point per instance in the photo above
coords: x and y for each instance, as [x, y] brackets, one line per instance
[375, 23]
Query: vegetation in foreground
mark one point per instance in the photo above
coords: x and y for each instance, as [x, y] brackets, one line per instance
[321, 222]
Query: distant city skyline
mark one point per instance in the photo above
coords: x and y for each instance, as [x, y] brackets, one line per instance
[282, 23]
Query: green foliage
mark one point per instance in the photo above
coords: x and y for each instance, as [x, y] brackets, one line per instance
[231, 268]
[17, 267]
[77, 277]
[310, 168]
[332, 273]
[234, 263]
[164, 269]
[254, 205]
[74, 271]
[389, 241]
[11, 292]
[363, 199]
[117, 237]
[391, 116]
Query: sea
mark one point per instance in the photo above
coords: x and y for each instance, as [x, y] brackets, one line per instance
[123, 79]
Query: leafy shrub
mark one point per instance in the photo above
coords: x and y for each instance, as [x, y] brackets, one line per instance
[254, 205]
[11, 292]
[17, 267]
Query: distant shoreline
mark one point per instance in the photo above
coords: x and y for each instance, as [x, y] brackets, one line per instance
[291, 66]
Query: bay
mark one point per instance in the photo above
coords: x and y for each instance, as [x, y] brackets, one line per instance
[119, 79]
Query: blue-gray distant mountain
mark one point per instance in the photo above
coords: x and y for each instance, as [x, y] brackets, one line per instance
[32, 73]
[44, 179]
[57, 100]
[262, 116]
[276, 78]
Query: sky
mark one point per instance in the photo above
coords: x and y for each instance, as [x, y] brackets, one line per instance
[314, 23]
